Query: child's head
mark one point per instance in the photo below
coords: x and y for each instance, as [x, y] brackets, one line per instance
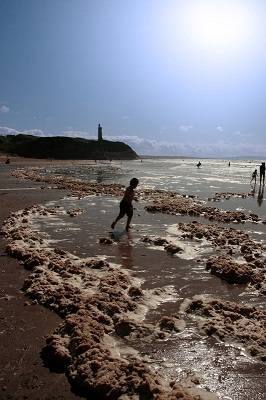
[134, 182]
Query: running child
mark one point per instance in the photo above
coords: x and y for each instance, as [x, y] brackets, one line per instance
[126, 207]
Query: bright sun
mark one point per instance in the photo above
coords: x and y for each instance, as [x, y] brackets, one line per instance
[218, 25]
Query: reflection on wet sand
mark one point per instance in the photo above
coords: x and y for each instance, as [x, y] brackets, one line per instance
[260, 196]
[124, 248]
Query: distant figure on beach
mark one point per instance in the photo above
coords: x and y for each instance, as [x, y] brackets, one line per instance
[199, 164]
[262, 173]
[254, 176]
[260, 196]
[7, 160]
[229, 164]
[126, 203]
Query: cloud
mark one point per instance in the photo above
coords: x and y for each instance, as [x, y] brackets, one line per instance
[4, 109]
[4, 130]
[221, 148]
[219, 128]
[216, 149]
[185, 128]
[73, 133]
[243, 135]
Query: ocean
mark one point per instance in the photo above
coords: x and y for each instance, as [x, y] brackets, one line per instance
[181, 176]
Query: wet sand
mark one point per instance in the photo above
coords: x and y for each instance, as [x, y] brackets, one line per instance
[146, 261]
[24, 325]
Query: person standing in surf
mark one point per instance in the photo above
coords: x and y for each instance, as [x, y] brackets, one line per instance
[262, 173]
[254, 177]
[126, 207]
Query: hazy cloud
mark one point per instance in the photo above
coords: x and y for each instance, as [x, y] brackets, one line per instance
[216, 149]
[73, 133]
[4, 109]
[221, 148]
[219, 128]
[243, 135]
[185, 128]
[4, 130]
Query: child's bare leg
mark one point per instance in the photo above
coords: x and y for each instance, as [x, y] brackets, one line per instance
[116, 220]
[113, 224]
[128, 223]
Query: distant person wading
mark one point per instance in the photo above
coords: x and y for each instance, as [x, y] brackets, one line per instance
[254, 176]
[262, 173]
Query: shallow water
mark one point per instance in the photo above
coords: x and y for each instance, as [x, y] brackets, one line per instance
[177, 175]
[223, 368]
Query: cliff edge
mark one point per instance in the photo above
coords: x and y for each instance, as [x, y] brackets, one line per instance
[64, 148]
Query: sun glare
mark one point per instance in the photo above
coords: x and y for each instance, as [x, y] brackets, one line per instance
[218, 25]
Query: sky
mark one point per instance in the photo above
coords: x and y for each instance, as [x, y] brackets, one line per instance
[168, 77]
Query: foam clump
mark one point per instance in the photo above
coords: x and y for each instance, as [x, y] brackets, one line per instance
[232, 322]
[218, 196]
[105, 240]
[234, 272]
[73, 212]
[249, 263]
[158, 241]
[96, 371]
[173, 249]
[77, 187]
[95, 299]
[192, 207]
[171, 323]
[96, 263]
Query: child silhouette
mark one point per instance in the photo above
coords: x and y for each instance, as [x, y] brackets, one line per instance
[126, 207]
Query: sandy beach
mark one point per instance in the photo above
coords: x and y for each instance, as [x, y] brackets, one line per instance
[24, 325]
[146, 318]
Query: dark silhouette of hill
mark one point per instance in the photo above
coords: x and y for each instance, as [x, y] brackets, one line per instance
[63, 148]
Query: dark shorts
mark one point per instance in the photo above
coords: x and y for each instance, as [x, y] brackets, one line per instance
[126, 208]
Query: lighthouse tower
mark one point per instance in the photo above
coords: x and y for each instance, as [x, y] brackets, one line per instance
[100, 133]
